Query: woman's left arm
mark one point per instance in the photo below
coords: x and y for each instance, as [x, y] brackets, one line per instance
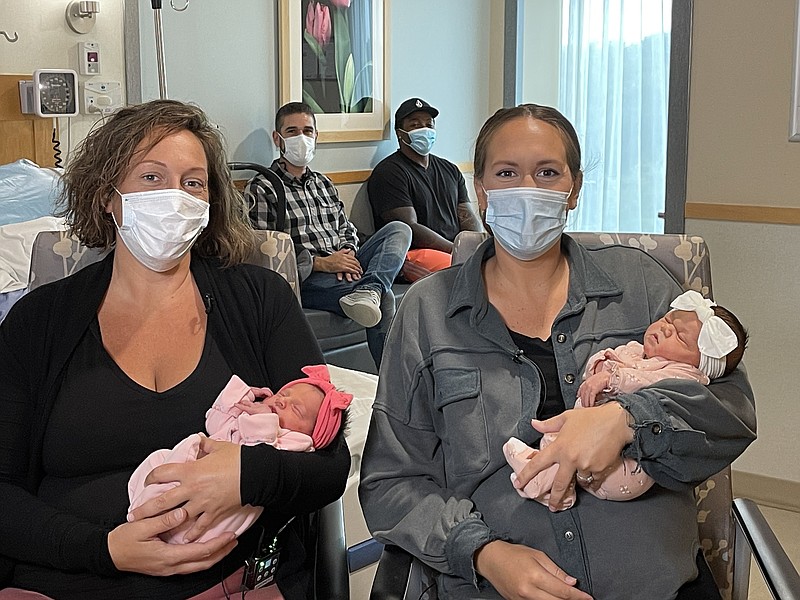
[303, 481]
[685, 432]
[680, 431]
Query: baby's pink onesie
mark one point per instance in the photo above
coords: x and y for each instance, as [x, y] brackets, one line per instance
[629, 372]
[225, 422]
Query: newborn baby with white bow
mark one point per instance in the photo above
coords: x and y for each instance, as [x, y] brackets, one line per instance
[696, 340]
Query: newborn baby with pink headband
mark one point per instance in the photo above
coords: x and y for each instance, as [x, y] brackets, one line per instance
[303, 415]
[696, 340]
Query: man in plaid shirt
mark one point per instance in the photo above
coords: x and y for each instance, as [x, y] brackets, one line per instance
[344, 278]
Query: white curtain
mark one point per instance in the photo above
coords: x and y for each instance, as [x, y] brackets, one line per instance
[614, 76]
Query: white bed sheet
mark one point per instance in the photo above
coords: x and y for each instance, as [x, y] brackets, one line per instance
[362, 386]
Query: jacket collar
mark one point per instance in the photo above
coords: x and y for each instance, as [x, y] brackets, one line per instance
[586, 280]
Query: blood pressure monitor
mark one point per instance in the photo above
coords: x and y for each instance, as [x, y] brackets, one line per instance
[55, 92]
[52, 93]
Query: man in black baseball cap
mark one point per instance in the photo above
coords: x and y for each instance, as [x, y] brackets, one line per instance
[413, 105]
[424, 191]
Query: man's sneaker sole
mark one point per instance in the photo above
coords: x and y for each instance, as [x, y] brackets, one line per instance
[365, 313]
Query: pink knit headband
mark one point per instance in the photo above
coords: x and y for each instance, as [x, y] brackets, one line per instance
[329, 418]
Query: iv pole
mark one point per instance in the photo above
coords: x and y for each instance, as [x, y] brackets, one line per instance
[162, 75]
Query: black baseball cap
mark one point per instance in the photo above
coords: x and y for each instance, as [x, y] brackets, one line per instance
[412, 105]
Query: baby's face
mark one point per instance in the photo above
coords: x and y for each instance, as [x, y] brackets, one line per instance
[297, 406]
[674, 337]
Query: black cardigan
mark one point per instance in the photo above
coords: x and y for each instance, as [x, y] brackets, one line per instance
[259, 327]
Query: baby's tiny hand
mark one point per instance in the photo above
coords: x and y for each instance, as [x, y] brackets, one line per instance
[592, 387]
[252, 408]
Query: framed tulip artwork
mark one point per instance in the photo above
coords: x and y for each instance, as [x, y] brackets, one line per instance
[332, 57]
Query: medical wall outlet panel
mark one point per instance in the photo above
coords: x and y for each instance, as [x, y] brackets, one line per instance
[101, 97]
[51, 93]
[89, 62]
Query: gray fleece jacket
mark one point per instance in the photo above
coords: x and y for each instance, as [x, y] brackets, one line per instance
[453, 388]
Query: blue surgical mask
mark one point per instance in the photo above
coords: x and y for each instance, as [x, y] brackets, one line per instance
[421, 140]
[525, 221]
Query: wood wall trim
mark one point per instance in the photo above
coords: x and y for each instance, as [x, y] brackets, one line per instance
[346, 177]
[353, 177]
[745, 213]
[768, 491]
[338, 178]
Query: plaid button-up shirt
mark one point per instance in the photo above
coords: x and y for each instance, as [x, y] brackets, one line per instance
[315, 217]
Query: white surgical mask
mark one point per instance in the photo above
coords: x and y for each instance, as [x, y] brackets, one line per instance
[299, 149]
[421, 140]
[525, 221]
[160, 226]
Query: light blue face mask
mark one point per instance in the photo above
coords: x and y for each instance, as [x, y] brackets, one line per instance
[526, 222]
[422, 140]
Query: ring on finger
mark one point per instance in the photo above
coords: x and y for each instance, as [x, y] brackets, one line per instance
[585, 479]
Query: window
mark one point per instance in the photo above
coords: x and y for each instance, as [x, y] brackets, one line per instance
[612, 82]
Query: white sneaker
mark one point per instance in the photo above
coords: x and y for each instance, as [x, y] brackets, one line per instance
[363, 306]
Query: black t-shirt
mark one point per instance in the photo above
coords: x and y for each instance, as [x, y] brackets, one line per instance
[100, 407]
[541, 353]
[434, 193]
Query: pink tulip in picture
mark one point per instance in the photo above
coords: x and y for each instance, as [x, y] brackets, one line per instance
[338, 55]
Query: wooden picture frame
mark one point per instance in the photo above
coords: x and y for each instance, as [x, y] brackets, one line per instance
[333, 57]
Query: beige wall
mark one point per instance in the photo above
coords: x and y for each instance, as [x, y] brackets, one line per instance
[739, 154]
[739, 151]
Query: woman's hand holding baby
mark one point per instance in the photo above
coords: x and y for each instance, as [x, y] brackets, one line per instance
[137, 547]
[589, 441]
[208, 488]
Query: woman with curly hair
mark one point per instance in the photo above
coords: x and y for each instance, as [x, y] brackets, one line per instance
[124, 357]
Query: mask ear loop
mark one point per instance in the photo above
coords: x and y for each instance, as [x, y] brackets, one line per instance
[282, 151]
[402, 140]
[113, 218]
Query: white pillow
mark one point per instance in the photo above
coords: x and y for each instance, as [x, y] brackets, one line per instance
[16, 242]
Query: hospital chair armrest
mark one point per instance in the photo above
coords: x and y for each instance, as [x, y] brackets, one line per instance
[779, 574]
[391, 578]
[331, 579]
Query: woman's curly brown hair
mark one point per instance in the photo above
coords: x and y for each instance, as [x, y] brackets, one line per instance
[104, 158]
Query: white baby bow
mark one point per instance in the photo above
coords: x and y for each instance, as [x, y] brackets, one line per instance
[716, 338]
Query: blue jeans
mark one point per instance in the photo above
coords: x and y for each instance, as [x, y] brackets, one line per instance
[381, 258]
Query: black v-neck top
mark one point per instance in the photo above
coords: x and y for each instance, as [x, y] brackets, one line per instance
[93, 411]
[95, 406]
[541, 353]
